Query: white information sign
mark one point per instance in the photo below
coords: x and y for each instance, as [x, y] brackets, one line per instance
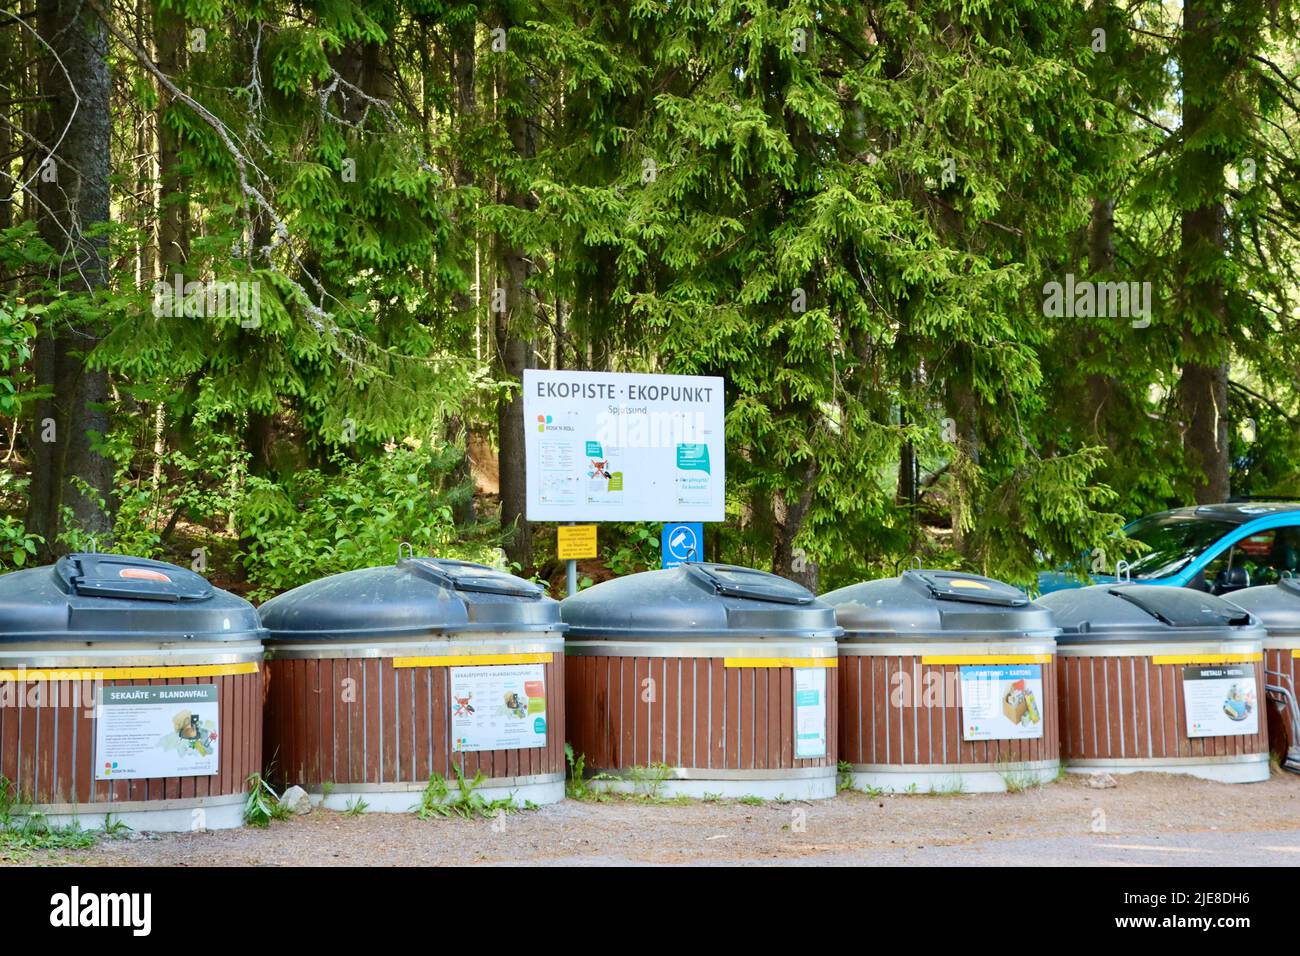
[605, 446]
[809, 712]
[1002, 701]
[1220, 700]
[158, 731]
[498, 707]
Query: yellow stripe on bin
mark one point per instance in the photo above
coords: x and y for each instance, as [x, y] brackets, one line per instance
[129, 673]
[472, 660]
[779, 662]
[986, 658]
[1207, 658]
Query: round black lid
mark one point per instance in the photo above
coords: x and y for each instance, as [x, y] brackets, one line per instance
[698, 600]
[943, 604]
[1276, 606]
[113, 597]
[1146, 612]
[414, 597]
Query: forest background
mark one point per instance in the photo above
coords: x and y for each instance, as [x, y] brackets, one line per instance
[861, 215]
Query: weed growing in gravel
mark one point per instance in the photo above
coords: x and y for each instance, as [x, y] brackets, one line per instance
[649, 781]
[356, 807]
[22, 831]
[575, 787]
[711, 798]
[263, 803]
[1018, 781]
[438, 799]
[952, 788]
[843, 776]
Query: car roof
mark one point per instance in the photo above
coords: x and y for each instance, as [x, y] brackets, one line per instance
[1237, 512]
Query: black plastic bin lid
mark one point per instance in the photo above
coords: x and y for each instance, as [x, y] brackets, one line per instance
[415, 597]
[1276, 606]
[947, 604]
[1146, 612]
[113, 597]
[698, 600]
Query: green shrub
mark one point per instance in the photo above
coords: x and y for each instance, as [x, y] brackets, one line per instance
[17, 547]
[317, 524]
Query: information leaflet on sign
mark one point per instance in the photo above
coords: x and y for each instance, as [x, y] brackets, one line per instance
[156, 731]
[1002, 701]
[1220, 700]
[809, 712]
[605, 446]
[498, 707]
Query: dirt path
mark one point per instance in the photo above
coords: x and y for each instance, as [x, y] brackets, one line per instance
[1147, 818]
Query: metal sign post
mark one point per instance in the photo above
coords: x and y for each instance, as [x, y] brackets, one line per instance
[571, 574]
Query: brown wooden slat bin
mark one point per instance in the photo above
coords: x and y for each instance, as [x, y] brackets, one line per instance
[129, 688]
[703, 680]
[385, 679]
[1277, 607]
[1158, 678]
[947, 684]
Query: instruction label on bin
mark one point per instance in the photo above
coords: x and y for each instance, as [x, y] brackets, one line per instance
[1219, 700]
[809, 712]
[154, 731]
[500, 707]
[1002, 702]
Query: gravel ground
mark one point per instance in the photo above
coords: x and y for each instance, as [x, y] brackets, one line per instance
[1146, 819]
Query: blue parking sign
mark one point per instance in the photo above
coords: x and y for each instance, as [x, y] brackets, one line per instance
[680, 542]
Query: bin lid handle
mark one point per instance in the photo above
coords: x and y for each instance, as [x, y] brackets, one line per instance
[1174, 611]
[728, 580]
[115, 576]
[468, 576]
[967, 588]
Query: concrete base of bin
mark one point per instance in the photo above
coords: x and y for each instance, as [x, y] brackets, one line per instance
[1250, 768]
[703, 784]
[158, 816]
[537, 790]
[933, 778]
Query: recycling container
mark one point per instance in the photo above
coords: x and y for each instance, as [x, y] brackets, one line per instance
[704, 679]
[1277, 608]
[1160, 678]
[385, 679]
[128, 687]
[947, 684]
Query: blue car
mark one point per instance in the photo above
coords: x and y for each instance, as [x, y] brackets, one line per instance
[1215, 548]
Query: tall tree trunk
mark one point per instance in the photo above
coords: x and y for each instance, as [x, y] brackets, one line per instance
[77, 199]
[1101, 263]
[173, 240]
[463, 76]
[173, 185]
[964, 408]
[10, 88]
[514, 327]
[1203, 387]
[788, 514]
